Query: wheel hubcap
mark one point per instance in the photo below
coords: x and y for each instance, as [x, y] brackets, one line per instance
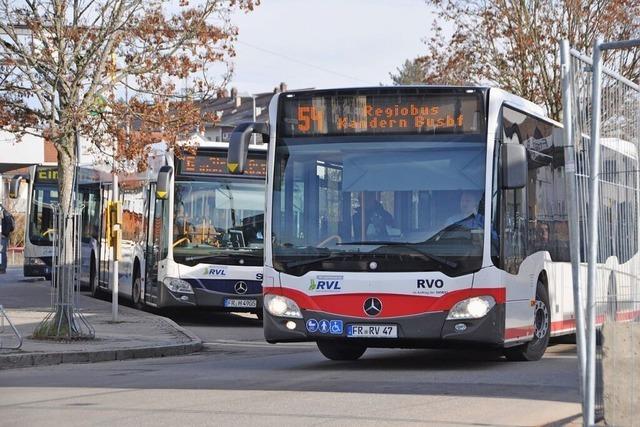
[542, 319]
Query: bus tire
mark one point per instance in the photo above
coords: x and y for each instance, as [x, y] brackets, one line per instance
[534, 349]
[136, 289]
[340, 351]
[94, 286]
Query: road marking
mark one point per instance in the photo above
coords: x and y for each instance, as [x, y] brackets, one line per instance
[254, 344]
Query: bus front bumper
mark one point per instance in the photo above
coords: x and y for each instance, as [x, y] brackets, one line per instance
[211, 300]
[423, 330]
[37, 267]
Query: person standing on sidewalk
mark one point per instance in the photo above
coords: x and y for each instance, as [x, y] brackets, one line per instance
[7, 226]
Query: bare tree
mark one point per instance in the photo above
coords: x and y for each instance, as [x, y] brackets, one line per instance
[514, 44]
[65, 66]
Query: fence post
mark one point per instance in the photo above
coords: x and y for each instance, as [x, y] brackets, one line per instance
[572, 210]
[592, 255]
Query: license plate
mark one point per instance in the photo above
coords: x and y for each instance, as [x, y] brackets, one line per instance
[240, 303]
[372, 331]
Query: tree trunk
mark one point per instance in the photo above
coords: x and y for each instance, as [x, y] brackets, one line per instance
[62, 324]
[66, 256]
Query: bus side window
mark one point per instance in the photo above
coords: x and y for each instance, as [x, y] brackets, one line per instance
[513, 211]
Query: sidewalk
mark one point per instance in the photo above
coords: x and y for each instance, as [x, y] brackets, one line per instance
[137, 334]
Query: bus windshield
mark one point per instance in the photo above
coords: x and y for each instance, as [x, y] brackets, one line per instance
[41, 229]
[217, 219]
[407, 204]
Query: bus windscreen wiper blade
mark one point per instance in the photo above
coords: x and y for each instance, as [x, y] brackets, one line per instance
[307, 261]
[383, 243]
[223, 255]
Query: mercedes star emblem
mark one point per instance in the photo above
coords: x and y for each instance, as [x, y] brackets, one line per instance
[240, 288]
[372, 306]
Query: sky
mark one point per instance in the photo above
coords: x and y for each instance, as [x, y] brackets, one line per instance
[326, 43]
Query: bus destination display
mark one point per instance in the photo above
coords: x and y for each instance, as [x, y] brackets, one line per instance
[47, 175]
[216, 164]
[382, 114]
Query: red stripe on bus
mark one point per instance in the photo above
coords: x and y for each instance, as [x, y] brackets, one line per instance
[569, 324]
[627, 315]
[621, 316]
[393, 305]
[523, 331]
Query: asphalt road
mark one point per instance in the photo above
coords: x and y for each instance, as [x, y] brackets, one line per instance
[239, 379]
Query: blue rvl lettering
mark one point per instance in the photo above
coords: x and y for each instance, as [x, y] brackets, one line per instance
[329, 284]
[334, 284]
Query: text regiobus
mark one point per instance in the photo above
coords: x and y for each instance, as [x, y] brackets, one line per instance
[192, 234]
[412, 217]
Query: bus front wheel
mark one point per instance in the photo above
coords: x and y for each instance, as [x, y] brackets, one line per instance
[96, 292]
[340, 351]
[534, 349]
[136, 291]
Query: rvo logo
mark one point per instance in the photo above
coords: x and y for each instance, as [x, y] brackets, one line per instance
[433, 283]
[327, 285]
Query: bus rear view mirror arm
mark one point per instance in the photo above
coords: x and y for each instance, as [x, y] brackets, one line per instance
[239, 144]
[514, 166]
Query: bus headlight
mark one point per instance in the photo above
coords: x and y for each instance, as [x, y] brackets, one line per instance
[178, 285]
[280, 306]
[472, 308]
[35, 261]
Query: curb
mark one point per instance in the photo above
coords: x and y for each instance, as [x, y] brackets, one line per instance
[570, 420]
[24, 360]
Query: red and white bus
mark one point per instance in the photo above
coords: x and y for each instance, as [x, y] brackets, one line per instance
[414, 217]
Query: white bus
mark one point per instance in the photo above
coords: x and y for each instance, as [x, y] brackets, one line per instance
[42, 183]
[192, 235]
[415, 217]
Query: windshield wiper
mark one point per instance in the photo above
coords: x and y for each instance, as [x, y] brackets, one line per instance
[430, 256]
[223, 255]
[307, 261]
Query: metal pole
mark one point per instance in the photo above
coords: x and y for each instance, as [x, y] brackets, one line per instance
[114, 288]
[572, 208]
[593, 231]
[254, 136]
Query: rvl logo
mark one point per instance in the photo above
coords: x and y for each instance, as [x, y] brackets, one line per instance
[433, 283]
[215, 271]
[326, 285]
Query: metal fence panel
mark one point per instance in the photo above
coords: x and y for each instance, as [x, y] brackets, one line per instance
[604, 121]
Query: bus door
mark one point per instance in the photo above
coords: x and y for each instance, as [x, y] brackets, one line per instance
[153, 246]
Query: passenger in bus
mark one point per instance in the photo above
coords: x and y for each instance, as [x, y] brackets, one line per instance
[377, 220]
[542, 242]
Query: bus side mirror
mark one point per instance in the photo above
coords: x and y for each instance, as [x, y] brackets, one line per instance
[239, 145]
[14, 186]
[514, 166]
[163, 184]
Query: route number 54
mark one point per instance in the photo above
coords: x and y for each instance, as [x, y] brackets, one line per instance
[306, 115]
